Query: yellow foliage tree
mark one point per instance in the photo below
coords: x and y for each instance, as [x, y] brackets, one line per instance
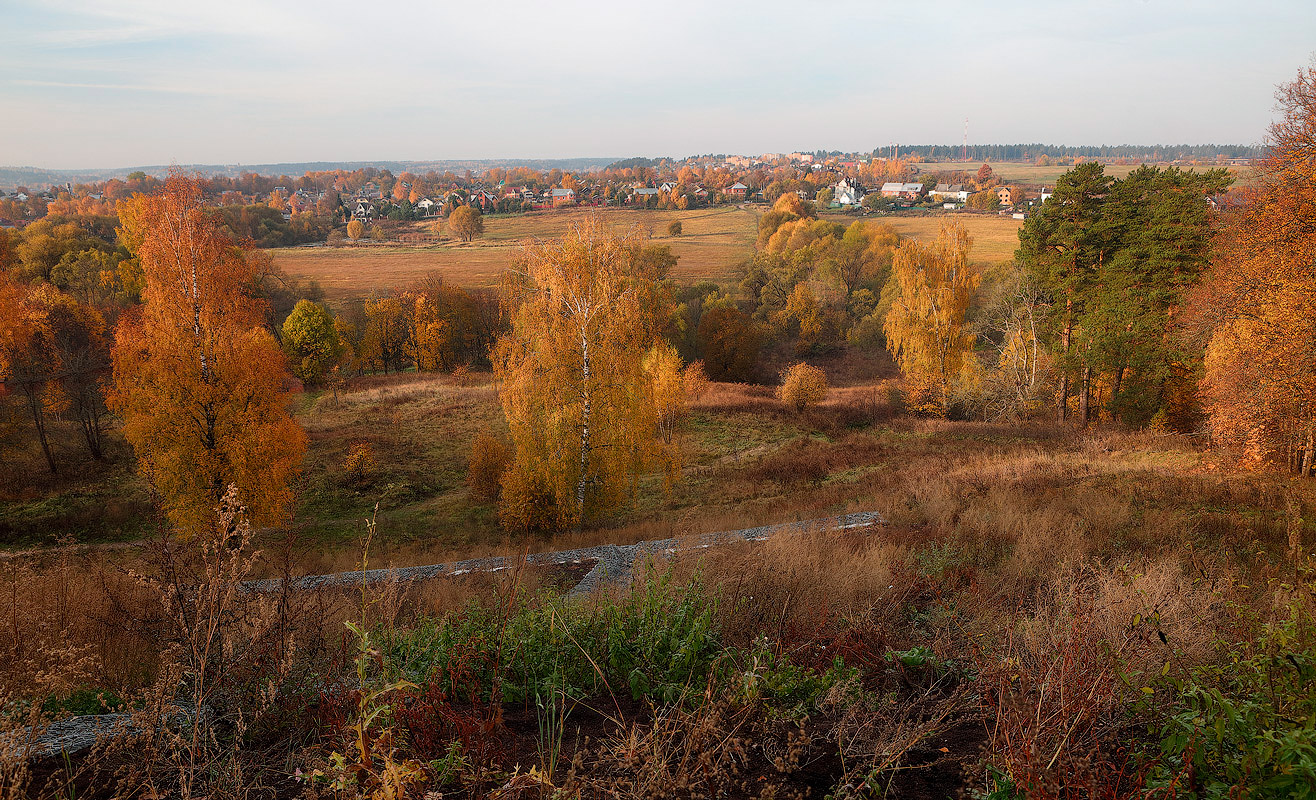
[925, 328]
[356, 229]
[572, 380]
[430, 343]
[802, 386]
[198, 380]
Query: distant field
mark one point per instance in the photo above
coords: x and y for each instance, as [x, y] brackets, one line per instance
[1023, 172]
[712, 242]
[994, 237]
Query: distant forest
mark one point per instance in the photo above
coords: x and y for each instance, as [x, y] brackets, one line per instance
[1028, 152]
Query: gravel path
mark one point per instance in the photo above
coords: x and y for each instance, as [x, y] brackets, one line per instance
[614, 562]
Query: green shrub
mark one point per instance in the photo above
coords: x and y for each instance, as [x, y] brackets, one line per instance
[1246, 728]
[656, 641]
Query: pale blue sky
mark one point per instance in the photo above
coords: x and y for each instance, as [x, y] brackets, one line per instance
[127, 82]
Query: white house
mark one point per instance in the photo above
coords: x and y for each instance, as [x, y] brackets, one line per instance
[427, 207]
[950, 191]
[847, 194]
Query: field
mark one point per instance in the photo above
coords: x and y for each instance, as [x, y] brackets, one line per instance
[1020, 172]
[995, 237]
[712, 242]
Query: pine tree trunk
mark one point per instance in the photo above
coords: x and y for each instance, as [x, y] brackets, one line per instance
[1064, 372]
[1085, 397]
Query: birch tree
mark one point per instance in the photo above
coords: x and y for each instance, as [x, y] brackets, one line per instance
[198, 380]
[585, 311]
[925, 329]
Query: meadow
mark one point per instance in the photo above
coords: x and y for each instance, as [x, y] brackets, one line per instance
[1038, 611]
[711, 243]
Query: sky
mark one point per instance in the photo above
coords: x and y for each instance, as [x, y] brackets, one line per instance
[117, 83]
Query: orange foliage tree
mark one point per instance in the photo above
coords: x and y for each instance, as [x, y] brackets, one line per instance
[198, 380]
[1260, 299]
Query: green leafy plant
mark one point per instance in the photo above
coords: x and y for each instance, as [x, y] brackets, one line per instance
[1246, 728]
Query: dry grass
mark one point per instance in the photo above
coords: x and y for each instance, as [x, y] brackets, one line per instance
[712, 242]
[995, 237]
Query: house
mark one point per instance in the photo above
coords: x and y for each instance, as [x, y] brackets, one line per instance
[1046, 192]
[950, 191]
[847, 194]
[902, 191]
[667, 187]
[563, 197]
[364, 210]
[736, 191]
[642, 195]
[1009, 195]
[427, 207]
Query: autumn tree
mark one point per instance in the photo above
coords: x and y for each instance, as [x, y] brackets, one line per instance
[356, 229]
[311, 343]
[925, 329]
[1259, 302]
[986, 200]
[802, 385]
[729, 342]
[28, 358]
[585, 309]
[386, 337]
[466, 223]
[198, 381]
[82, 357]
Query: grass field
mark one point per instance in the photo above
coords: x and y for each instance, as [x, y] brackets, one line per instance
[995, 237]
[712, 242]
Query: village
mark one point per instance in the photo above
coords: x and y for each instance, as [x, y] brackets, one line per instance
[860, 184]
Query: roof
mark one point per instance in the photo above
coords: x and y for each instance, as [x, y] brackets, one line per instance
[737, 185]
[563, 192]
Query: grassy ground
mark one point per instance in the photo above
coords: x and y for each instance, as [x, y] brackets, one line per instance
[1041, 605]
[712, 241]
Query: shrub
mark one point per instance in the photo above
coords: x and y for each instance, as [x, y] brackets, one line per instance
[489, 459]
[360, 464]
[802, 386]
[1244, 729]
[674, 229]
[355, 229]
